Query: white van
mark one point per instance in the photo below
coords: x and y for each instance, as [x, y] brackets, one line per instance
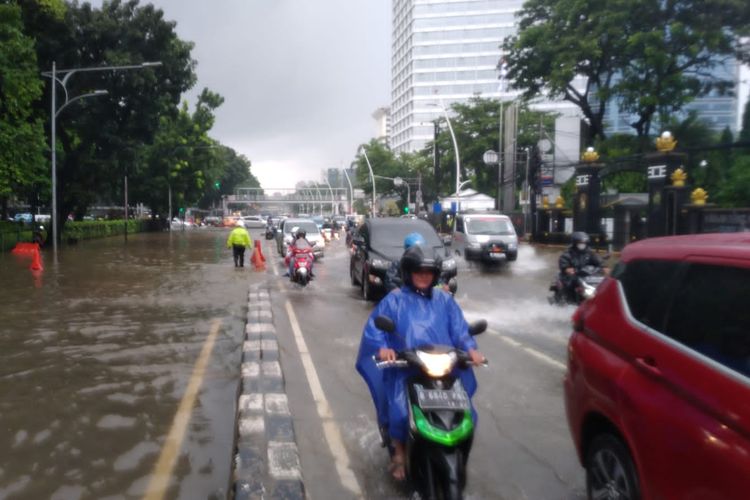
[486, 237]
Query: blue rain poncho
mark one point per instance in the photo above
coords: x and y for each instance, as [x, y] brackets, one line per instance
[419, 320]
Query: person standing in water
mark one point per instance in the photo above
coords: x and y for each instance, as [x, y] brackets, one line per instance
[238, 240]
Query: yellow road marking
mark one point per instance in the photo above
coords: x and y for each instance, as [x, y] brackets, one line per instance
[157, 486]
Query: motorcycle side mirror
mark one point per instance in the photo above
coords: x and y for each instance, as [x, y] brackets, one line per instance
[385, 323]
[453, 286]
[477, 327]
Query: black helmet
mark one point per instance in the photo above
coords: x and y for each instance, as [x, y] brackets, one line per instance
[414, 259]
[301, 233]
[579, 237]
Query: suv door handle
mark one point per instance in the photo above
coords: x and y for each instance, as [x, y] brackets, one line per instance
[648, 364]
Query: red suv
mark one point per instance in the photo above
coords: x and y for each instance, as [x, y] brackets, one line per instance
[657, 390]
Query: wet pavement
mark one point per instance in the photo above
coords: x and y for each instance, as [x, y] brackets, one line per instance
[97, 352]
[522, 449]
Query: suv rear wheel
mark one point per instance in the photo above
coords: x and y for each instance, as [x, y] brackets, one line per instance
[610, 472]
[366, 290]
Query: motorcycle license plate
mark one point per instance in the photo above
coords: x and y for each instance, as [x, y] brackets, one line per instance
[435, 399]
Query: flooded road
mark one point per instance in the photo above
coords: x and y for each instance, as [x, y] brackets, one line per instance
[97, 353]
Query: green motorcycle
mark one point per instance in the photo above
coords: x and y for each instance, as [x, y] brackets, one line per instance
[441, 428]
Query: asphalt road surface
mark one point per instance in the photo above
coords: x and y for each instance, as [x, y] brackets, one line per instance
[522, 448]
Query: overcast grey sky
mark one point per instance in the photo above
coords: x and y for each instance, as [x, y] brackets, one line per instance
[300, 78]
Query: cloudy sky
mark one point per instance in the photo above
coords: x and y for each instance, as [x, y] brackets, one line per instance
[300, 78]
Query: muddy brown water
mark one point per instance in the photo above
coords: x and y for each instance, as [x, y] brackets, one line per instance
[95, 356]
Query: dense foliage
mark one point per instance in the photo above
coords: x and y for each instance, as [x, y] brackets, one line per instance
[652, 56]
[139, 128]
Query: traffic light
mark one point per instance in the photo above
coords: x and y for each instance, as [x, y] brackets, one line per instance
[181, 210]
[217, 185]
[406, 210]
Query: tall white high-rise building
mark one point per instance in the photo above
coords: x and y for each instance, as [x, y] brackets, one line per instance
[382, 118]
[443, 51]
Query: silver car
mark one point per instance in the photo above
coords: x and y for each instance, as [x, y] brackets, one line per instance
[284, 235]
[485, 237]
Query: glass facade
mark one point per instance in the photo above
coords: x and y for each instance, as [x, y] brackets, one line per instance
[443, 51]
[718, 111]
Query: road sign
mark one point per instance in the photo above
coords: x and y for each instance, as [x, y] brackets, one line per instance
[490, 157]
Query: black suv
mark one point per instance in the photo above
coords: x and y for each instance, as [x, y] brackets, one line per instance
[379, 242]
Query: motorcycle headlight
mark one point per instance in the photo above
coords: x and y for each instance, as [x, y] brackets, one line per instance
[588, 291]
[379, 263]
[437, 365]
[449, 264]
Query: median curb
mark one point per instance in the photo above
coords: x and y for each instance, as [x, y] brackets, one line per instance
[266, 460]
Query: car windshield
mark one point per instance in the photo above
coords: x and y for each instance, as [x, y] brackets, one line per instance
[394, 235]
[489, 225]
[308, 226]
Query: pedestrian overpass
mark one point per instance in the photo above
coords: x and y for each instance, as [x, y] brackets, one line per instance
[307, 200]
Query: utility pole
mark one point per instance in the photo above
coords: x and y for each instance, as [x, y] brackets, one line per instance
[500, 162]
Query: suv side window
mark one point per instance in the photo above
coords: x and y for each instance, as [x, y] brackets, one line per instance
[647, 285]
[710, 314]
[460, 224]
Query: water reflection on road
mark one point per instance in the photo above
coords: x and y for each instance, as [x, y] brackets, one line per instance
[96, 354]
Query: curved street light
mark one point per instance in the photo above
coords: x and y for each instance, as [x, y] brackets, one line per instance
[333, 201]
[351, 192]
[455, 149]
[55, 111]
[372, 178]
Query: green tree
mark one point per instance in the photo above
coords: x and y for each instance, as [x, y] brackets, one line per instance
[654, 56]
[559, 40]
[673, 55]
[745, 131]
[735, 192]
[476, 127]
[93, 133]
[22, 144]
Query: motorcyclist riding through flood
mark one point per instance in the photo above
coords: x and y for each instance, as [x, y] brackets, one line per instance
[422, 315]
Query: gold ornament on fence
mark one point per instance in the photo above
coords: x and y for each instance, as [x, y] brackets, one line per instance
[559, 202]
[678, 178]
[545, 202]
[665, 143]
[699, 196]
[590, 155]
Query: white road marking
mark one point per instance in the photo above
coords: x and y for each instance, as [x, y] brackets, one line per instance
[159, 482]
[533, 352]
[331, 430]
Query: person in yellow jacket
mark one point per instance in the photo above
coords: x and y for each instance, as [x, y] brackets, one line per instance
[238, 239]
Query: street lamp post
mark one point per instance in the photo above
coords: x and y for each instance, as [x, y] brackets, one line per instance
[55, 111]
[332, 198]
[372, 178]
[455, 149]
[351, 193]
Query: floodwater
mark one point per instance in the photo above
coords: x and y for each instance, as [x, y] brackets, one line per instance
[96, 353]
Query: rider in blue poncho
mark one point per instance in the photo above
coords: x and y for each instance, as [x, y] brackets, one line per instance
[422, 315]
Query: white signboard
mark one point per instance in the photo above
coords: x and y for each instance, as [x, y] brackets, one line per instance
[657, 172]
[582, 180]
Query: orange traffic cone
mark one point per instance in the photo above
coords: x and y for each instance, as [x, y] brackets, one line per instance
[256, 259]
[260, 250]
[36, 261]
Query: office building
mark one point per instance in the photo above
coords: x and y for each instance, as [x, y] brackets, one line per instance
[382, 118]
[443, 51]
